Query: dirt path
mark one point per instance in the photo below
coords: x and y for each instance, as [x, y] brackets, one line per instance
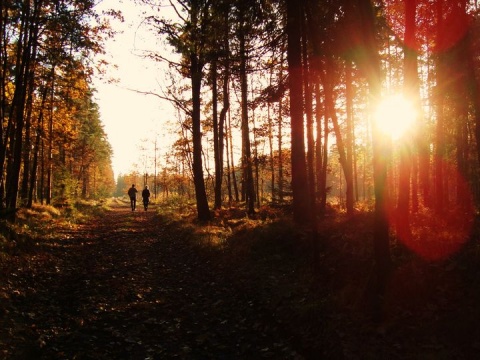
[123, 287]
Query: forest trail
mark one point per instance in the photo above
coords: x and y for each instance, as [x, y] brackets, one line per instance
[124, 287]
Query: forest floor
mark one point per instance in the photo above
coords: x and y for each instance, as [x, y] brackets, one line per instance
[131, 285]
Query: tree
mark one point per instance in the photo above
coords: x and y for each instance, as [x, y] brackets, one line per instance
[247, 161]
[362, 17]
[294, 57]
[219, 122]
[190, 38]
[406, 152]
[41, 45]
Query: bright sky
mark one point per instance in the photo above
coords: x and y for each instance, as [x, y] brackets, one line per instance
[130, 117]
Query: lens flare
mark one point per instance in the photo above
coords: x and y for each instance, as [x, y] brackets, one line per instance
[436, 234]
[444, 23]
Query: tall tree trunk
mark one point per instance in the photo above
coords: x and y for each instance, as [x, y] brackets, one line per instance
[440, 98]
[16, 114]
[41, 187]
[47, 192]
[36, 148]
[225, 107]
[247, 163]
[27, 148]
[364, 19]
[4, 119]
[462, 102]
[232, 162]
[221, 125]
[349, 140]
[323, 179]
[280, 131]
[216, 139]
[308, 93]
[256, 164]
[410, 87]
[294, 57]
[319, 113]
[346, 166]
[196, 74]
[228, 174]
[270, 145]
[203, 212]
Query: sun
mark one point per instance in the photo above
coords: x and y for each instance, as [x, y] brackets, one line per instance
[395, 116]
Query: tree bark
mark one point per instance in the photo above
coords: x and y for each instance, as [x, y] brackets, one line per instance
[308, 94]
[349, 141]
[203, 211]
[363, 13]
[410, 88]
[439, 104]
[216, 139]
[294, 57]
[247, 164]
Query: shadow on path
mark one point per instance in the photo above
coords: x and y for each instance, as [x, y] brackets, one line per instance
[124, 287]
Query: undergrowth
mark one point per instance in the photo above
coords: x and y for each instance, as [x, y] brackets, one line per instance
[44, 221]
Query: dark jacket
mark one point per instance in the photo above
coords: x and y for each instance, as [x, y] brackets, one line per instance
[145, 194]
[132, 192]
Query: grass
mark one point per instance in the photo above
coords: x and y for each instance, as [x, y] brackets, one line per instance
[44, 221]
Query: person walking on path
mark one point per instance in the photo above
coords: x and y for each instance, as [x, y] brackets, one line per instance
[146, 197]
[132, 193]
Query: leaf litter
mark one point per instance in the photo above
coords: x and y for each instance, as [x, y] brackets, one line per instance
[137, 291]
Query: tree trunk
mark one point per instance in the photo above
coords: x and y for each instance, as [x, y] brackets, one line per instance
[225, 107]
[232, 162]
[203, 211]
[405, 165]
[346, 165]
[461, 97]
[216, 139]
[36, 147]
[307, 71]
[49, 165]
[24, 60]
[280, 130]
[319, 113]
[294, 58]
[364, 19]
[256, 164]
[349, 140]
[439, 131]
[270, 145]
[33, 176]
[248, 181]
[27, 148]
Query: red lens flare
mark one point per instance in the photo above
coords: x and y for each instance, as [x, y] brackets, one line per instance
[438, 25]
[433, 234]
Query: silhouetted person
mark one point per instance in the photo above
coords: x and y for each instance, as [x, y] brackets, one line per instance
[132, 193]
[146, 197]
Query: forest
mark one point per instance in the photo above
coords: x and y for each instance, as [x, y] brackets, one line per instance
[52, 142]
[241, 137]
[236, 128]
[352, 105]
[327, 110]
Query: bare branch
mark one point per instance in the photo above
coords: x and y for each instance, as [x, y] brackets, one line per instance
[178, 102]
[176, 10]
